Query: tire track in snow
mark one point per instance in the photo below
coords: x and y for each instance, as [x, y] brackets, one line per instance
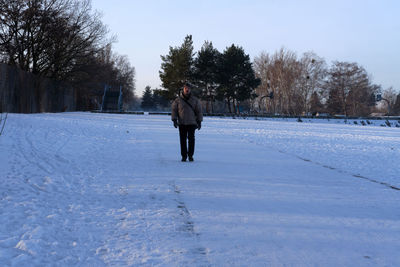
[344, 172]
[247, 140]
[188, 251]
[199, 252]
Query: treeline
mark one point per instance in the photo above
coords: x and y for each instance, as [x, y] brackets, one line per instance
[227, 76]
[278, 83]
[64, 40]
[153, 99]
[307, 85]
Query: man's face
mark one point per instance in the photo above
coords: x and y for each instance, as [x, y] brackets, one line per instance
[186, 90]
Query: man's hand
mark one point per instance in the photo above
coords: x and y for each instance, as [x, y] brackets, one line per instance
[198, 125]
[175, 123]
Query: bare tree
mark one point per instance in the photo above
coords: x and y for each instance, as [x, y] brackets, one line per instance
[66, 41]
[396, 106]
[125, 77]
[262, 65]
[350, 88]
[105, 67]
[311, 78]
[389, 100]
[49, 37]
[279, 74]
[315, 104]
[298, 84]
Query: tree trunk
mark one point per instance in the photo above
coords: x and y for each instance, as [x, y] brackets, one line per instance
[228, 101]
[234, 104]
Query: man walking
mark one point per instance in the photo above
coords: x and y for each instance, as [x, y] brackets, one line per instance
[186, 113]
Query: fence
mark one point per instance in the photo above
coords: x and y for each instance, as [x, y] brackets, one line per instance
[23, 92]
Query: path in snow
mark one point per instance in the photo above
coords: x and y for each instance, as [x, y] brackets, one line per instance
[97, 189]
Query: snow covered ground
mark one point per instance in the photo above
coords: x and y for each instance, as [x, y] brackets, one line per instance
[109, 190]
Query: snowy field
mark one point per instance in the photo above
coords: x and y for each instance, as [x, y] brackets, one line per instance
[82, 189]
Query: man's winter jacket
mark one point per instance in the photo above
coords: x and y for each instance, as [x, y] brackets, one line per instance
[185, 114]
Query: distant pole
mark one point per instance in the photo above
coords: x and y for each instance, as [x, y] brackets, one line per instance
[120, 99]
[104, 97]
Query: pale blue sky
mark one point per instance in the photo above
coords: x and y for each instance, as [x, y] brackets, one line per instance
[366, 32]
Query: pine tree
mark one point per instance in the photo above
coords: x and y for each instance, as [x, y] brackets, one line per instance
[177, 67]
[236, 76]
[205, 72]
[147, 99]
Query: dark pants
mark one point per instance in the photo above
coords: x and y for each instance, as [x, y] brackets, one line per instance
[186, 132]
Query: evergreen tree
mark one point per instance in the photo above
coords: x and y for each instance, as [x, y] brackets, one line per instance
[147, 99]
[177, 67]
[159, 100]
[205, 72]
[236, 77]
[315, 104]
